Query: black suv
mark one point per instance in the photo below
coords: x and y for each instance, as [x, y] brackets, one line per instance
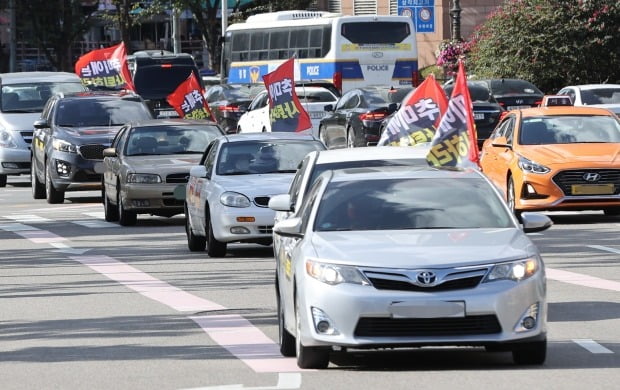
[69, 138]
[157, 74]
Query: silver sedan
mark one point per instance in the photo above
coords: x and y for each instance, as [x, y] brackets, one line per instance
[409, 257]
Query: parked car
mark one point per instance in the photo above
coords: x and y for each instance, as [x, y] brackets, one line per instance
[487, 110]
[228, 192]
[313, 99]
[22, 97]
[390, 257]
[556, 158]
[356, 118]
[287, 205]
[594, 95]
[70, 136]
[228, 102]
[514, 94]
[147, 167]
[157, 74]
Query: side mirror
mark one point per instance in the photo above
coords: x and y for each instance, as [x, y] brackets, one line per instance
[41, 124]
[289, 228]
[328, 107]
[198, 171]
[535, 222]
[501, 142]
[280, 202]
[109, 152]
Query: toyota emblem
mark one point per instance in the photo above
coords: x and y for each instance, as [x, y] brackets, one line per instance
[591, 177]
[426, 278]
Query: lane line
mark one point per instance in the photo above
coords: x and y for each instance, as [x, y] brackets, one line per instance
[604, 248]
[592, 346]
[95, 224]
[582, 280]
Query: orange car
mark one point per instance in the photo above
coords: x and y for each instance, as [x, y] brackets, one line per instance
[556, 158]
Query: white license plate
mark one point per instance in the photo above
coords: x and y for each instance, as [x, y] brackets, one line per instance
[517, 107]
[167, 114]
[478, 115]
[427, 309]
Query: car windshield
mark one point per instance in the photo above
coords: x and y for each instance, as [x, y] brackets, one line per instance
[31, 97]
[514, 87]
[268, 156]
[601, 96]
[569, 129]
[421, 203]
[100, 112]
[172, 139]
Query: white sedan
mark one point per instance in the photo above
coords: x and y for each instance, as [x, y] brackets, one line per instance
[595, 95]
[314, 99]
[228, 192]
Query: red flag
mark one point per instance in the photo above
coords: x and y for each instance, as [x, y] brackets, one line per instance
[188, 100]
[455, 142]
[285, 110]
[105, 67]
[418, 117]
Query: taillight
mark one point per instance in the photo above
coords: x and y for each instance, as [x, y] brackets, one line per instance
[338, 81]
[537, 103]
[415, 78]
[372, 116]
[166, 65]
[229, 108]
[503, 105]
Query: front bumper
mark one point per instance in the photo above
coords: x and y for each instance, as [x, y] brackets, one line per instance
[14, 161]
[71, 172]
[225, 220]
[362, 315]
[159, 199]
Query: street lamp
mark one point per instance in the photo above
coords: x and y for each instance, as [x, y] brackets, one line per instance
[455, 14]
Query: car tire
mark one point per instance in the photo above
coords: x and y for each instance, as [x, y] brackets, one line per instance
[308, 357]
[351, 138]
[322, 136]
[125, 217]
[285, 339]
[511, 197]
[52, 195]
[533, 353]
[110, 211]
[38, 189]
[194, 243]
[215, 248]
[3, 180]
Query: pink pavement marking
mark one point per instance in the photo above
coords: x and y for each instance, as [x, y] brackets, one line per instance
[582, 280]
[147, 285]
[246, 342]
[40, 236]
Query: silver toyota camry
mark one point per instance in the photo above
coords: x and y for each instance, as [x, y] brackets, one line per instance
[409, 257]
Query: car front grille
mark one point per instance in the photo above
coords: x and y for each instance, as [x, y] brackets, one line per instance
[427, 327]
[566, 179]
[177, 177]
[27, 136]
[261, 201]
[445, 280]
[266, 229]
[92, 152]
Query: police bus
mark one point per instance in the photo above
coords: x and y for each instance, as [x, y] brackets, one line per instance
[346, 51]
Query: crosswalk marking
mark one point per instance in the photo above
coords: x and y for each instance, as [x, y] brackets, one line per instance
[592, 346]
[95, 224]
[27, 218]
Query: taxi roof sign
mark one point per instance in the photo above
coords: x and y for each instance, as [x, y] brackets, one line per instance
[556, 100]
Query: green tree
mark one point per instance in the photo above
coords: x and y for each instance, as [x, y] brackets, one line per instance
[551, 43]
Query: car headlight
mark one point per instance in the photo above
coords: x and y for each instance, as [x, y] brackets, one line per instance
[64, 146]
[6, 140]
[514, 270]
[532, 167]
[335, 273]
[234, 199]
[143, 178]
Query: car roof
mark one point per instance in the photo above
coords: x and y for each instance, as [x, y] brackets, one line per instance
[371, 153]
[564, 110]
[593, 86]
[100, 94]
[20, 77]
[269, 135]
[172, 122]
[403, 172]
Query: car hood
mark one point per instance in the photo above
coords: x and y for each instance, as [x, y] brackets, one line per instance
[606, 153]
[422, 248]
[257, 185]
[173, 162]
[89, 134]
[21, 121]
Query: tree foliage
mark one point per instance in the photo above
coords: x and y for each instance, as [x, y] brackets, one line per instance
[551, 43]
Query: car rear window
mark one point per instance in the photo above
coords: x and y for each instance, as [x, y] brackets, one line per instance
[507, 87]
[157, 81]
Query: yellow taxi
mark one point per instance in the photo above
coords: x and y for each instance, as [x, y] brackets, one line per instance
[556, 157]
